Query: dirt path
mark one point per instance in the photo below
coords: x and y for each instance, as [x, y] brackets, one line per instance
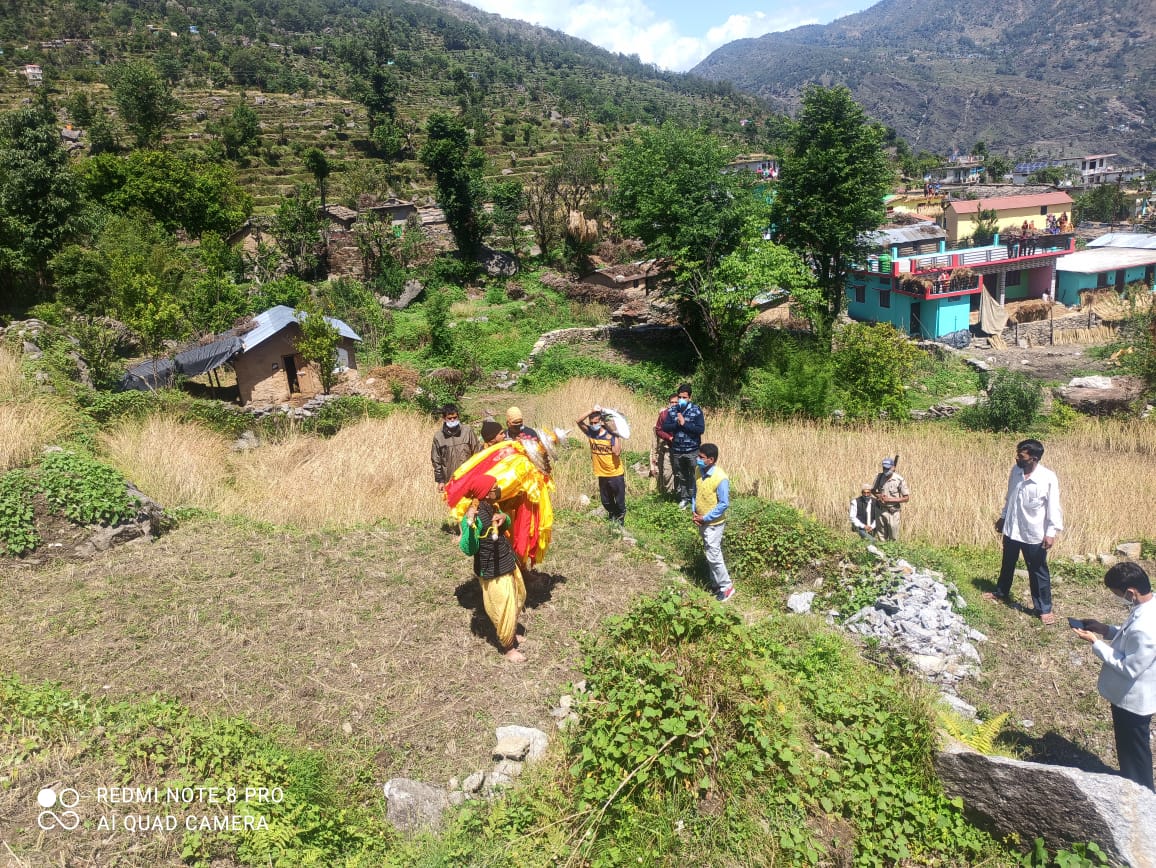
[1056, 364]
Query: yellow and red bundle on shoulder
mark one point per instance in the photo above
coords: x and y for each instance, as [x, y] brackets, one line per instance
[525, 494]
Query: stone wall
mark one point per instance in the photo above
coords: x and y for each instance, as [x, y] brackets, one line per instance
[597, 334]
[1039, 333]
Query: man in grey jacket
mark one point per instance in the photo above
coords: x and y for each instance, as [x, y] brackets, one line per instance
[452, 445]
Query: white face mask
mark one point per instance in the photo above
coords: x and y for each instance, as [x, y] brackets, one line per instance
[452, 423]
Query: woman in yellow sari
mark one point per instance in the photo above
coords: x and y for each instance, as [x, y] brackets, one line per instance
[484, 535]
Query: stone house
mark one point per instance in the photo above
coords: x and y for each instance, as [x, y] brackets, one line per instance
[263, 353]
[644, 275]
[269, 368]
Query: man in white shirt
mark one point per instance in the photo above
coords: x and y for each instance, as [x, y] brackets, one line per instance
[1128, 676]
[1031, 518]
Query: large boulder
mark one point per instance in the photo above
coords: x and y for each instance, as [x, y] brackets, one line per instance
[1102, 396]
[413, 806]
[498, 263]
[1062, 805]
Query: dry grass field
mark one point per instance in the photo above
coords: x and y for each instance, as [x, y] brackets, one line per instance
[378, 470]
[28, 421]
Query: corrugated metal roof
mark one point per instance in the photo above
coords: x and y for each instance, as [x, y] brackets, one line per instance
[1001, 203]
[1144, 240]
[276, 318]
[1105, 259]
[905, 234]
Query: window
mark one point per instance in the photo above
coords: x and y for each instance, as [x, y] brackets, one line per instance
[860, 293]
[1043, 210]
[885, 298]
[1103, 280]
[1012, 278]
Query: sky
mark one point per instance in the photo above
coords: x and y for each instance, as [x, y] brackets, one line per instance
[673, 34]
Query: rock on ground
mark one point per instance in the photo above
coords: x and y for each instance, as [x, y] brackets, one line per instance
[413, 806]
[1062, 805]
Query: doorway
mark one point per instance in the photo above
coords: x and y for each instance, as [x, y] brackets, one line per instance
[916, 322]
[289, 363]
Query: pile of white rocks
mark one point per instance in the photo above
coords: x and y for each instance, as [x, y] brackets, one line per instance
[919, 619]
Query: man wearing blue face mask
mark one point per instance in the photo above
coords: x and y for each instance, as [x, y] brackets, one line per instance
[712, 498]
[452, 445]
[687, 424]
[606, 452]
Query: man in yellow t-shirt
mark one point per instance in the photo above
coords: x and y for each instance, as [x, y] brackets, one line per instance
[606, 452]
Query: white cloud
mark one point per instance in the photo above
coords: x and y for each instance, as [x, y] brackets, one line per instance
[633, 27]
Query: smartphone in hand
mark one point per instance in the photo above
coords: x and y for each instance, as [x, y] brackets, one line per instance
[1076, 624]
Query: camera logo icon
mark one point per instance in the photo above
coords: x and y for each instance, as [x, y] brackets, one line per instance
[66, 819]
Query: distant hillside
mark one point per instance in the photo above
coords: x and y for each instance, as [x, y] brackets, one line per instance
[1070, 77]
[323, 72]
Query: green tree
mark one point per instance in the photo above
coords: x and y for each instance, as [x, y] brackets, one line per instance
[719, 304]
[669, 188]
[457, 172]
[437, 317]
[239, 131]
[544, 210]
[297, 228]
[176, 192]
[318, 165]
[318, 344]
[351, 301]
[1053, 175]
[873, 364]
[996, 168]
[1106, 203]
[831, 188]
[39, 199]
[509, 200]
[144, 99]
[986, 227]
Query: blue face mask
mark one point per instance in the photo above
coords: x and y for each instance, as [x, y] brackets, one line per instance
[595, 428]
[701, 464]
[452, 423]
[682, 402]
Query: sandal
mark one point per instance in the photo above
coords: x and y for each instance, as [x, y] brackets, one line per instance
[1048, 618]
[995, 597]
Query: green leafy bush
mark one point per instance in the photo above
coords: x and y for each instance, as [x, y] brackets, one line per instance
[704, 741]
[17, 518]
[766, 542]
[1012, 404]
[874, 362]
[334, 415]
[796, 380]
[311, 822]
[84, 490]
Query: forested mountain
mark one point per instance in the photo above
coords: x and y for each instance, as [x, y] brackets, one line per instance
[1075, 77]
[314, 46]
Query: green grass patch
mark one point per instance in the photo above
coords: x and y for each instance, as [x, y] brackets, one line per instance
[309, 820]
[705, 741]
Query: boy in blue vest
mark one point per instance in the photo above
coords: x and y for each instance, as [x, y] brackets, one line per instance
[712, 497]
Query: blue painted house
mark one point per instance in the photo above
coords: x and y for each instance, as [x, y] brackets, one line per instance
[1113, 260]
[926, 290]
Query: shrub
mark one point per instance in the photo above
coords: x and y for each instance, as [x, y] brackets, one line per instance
[1012, 403]
[766, 542]
[797, 380]
[334, 415]
[873, 364]
[17, 517]
[84, 490]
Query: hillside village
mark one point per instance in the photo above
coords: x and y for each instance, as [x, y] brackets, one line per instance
[252, 260]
